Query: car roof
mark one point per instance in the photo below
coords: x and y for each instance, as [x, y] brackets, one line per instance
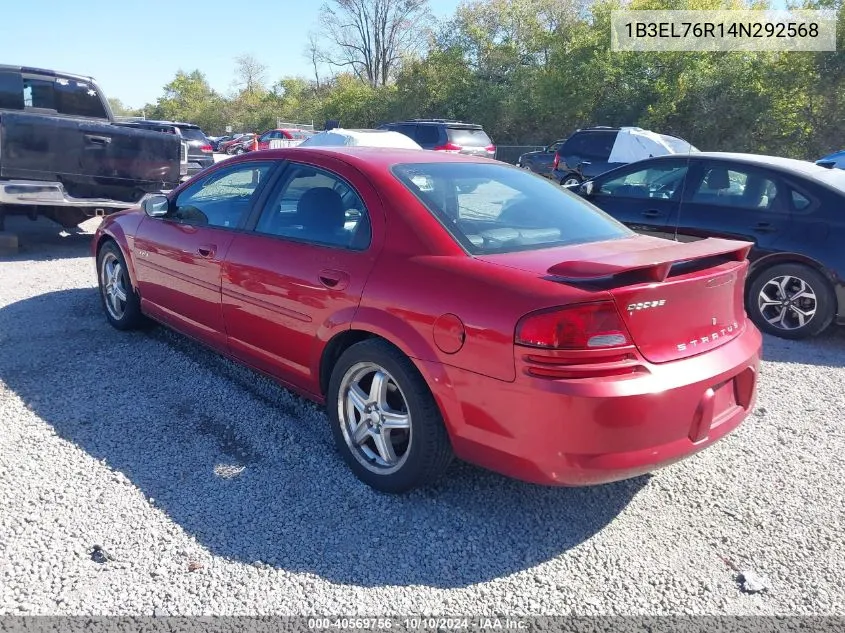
[174, 123]
[44, 71]
[363, 156]
[832, 178]
[447, 122]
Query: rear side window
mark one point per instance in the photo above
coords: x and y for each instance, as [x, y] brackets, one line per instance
[739, 187]
[473, 137]
[494, 208]
[79, 98]
[425, 134]
[64, 95]
[11, 91]
[597, 145]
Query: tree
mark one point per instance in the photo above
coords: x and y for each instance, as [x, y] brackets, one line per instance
[250, 74]
[371, 37]
[119, 109]
[314, 55]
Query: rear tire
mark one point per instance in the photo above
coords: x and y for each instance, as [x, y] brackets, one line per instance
[121, 303]
[380, 406]
[791, 301]
[570, 179]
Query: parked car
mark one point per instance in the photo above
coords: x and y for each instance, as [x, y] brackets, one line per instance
[227, 147]
[516, 327]
[837, 159]
[338, 137]
[443, 135]
[65, 157]
[789, 210]
[218, 141]
[278, 138]
[200, 151]
[542, 161]
[245, 143]
[593, 151]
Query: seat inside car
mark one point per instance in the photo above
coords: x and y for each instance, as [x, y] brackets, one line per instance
[321, 214]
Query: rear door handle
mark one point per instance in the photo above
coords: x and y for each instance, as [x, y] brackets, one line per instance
[94, 139]
[207, 250]
[764, 227]
[652, 213]
[334, 279]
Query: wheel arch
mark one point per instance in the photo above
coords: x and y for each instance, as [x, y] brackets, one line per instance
[120, 241]
[776, 259]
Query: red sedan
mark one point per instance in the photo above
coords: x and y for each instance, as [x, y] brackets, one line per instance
[445, 305]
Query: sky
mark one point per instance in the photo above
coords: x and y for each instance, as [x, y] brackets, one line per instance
[132, 49]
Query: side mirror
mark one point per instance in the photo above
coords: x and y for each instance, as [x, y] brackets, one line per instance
[156, 206]
[586, 189]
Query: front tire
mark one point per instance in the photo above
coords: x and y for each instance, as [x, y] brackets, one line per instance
[120, 301]
[384, 419]
[791, 301]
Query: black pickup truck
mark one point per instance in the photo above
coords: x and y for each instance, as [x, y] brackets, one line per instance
[63, 155]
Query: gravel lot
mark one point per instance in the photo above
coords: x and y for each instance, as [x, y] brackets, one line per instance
[213, 491]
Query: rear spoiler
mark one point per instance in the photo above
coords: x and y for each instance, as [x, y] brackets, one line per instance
[652, 264]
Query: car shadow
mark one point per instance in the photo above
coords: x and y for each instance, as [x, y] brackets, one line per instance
[825, 350]
[42, 240]
[250, 470]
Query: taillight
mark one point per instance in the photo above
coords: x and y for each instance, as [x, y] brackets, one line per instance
[491, 149]
[207, 149]
[448, 147]
[584, 326]
[556, 162]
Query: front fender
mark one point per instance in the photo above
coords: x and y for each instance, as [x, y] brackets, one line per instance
[120, 229]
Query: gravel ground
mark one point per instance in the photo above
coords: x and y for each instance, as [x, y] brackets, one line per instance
[206, 489]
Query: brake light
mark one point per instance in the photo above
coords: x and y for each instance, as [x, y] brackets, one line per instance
[448, 147]
[584, 326]
[556, 162]
[207, 149]
[491, 148]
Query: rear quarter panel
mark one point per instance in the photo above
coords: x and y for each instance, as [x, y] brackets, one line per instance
[422, 275]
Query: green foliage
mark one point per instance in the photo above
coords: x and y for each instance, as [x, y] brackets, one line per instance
[532, 71]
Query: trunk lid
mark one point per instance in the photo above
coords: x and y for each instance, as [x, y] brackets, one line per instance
[676, 299]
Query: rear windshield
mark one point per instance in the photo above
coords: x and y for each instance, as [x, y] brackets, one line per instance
[494, 208]
[468, 136]
[193, 134]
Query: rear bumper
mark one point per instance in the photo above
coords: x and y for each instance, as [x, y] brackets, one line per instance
[53, 194]
[598, 430]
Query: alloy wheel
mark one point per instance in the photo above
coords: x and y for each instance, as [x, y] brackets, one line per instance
[375, 418]
[787, 302]
[113, 285]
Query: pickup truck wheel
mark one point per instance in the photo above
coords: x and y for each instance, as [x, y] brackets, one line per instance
[120, 301]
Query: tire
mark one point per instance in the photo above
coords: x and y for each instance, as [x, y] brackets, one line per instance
[422, 450]
[571, 179]
[806, 291]
[240, 151]
[123, 314]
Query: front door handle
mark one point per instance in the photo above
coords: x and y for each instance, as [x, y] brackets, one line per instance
[652, 213]
[334, 279]
[207, 250]
[764, 227]
[100, 141]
